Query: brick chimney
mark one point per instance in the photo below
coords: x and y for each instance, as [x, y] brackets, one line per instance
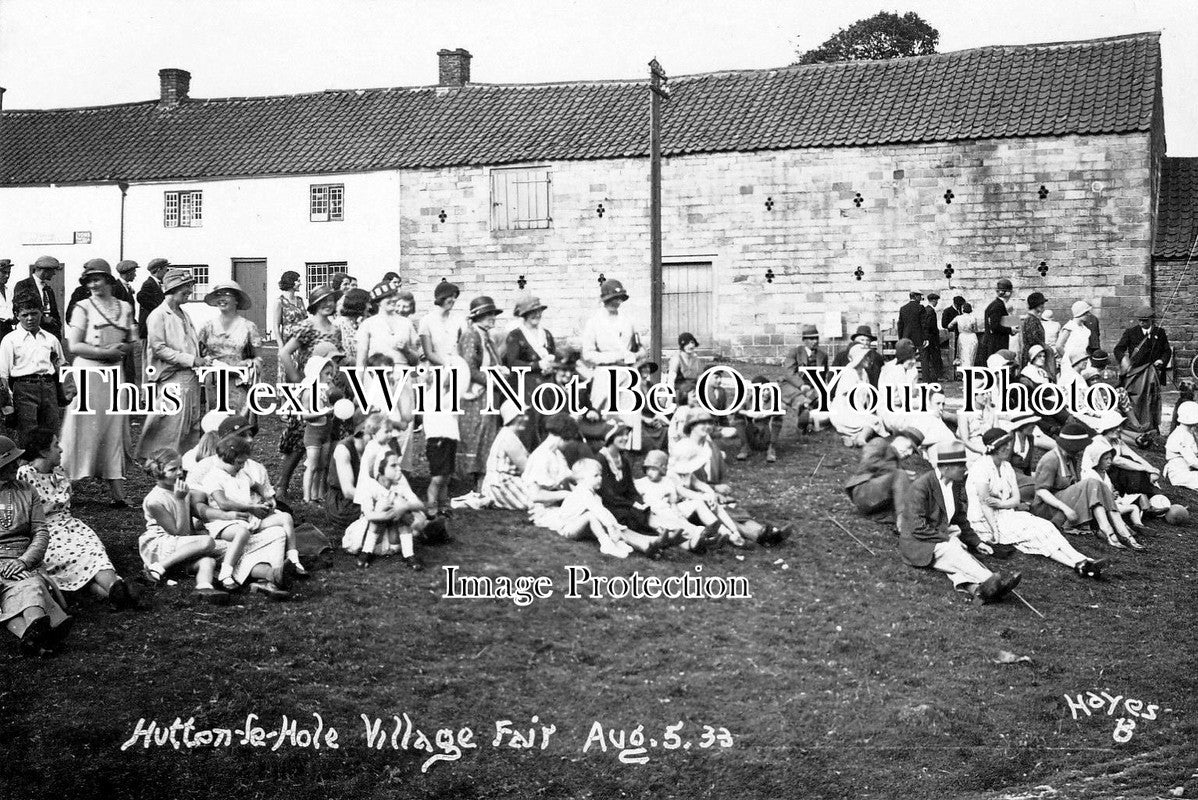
[174, 84]
[453, 67]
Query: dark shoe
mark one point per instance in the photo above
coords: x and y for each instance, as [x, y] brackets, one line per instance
[118, 504]
[988, 590]
[1091, 568]
[57, 637]
[120, 597]
[437, 532]
[365, 560]
[212, 596]
[1007, 583]
[271, 591]
[35, 640]
[413, 563]
[284, 576]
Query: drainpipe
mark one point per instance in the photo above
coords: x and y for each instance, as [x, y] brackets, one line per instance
[124, 187]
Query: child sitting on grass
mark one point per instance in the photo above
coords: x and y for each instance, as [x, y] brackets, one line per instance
[669, 512]
[583, 512]
[171, 539]
[393, 513]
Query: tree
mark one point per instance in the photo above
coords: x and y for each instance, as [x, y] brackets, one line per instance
[884, 35]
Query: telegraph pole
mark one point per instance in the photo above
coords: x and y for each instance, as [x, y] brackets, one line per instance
[658, 89]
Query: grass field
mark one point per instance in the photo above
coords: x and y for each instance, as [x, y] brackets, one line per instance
[847, 674]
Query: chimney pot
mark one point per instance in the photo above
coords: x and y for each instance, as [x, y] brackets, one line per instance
[453, 67]
[174, 85]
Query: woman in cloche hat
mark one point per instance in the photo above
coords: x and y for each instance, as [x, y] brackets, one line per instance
[230, 338]
[530, 344]
[476, 430]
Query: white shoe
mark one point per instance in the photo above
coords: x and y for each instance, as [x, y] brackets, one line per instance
[615, 549]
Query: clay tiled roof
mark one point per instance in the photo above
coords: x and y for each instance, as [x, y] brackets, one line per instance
[1090, 87]
[1177, 209]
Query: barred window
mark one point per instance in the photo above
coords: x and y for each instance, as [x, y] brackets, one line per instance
[320, 273]
[326, 202]
[520, 198]
[200, 273]
[183, 209]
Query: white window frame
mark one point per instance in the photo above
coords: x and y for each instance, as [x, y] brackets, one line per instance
[327, 268]
[183, 209]
[203, 276]
[326, 202]
[521, 198]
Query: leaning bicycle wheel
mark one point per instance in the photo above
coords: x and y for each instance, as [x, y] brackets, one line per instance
[1194, 368]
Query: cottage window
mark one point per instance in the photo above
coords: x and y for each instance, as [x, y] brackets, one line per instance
[200, 273]
[320, 273]
[183, 210]
[326, 202]
[520, 199]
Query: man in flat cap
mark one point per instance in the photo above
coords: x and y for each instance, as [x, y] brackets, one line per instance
[997, 336]
[1143, 353]
[150, 295]
[38, 285]
[6, 315]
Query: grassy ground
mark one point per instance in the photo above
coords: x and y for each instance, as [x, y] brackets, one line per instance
[847, 674]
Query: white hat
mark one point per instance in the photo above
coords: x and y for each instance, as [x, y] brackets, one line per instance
[1109, 420]
[509, 411]
[687, 456]
[1079, 307]
[1187, 413]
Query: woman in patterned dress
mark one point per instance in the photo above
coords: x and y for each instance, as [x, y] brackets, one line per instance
[75, 557]
[476, 427]
[318, 327]
[233, 340]
[101, 330]
[289, 313]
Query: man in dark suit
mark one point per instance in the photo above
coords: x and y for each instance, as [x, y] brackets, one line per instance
[934, 529]
[150, 296]
[798, 394]
[996, 335]
[38, 285]
[1143, 353]
[910, 320]
[931, 359]
[948, 315]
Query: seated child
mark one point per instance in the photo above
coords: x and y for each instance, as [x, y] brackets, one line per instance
[582, 512]
[171, 538]
[392, 512]
[669, 512]
[758, 420]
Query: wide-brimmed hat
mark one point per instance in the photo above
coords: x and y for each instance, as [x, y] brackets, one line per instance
[320, 294]
[528, 304]
[1187, 413]
[443, 291]
[656, 459]
[47, 262]
[1074, 437]
[96, 266]
[612, 289]
[328, 350]
[810, 332]
[9, 452]
[1079, 308]
[128, 265]
[175, 279]
[687, 456]
[950, 454]
[1109, 420]
[1019, 420]
[700, 418]
[1145, 312]
[1099, 448]
[229, 287]
[1036, 299]
[866, 331]
[995, 438]
[157, 264]
[483, 306]
[384, 289]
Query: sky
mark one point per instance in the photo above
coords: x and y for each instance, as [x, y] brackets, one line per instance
[93, 52]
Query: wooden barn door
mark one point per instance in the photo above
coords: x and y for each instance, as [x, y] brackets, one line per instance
[250, 274]
[687, 302]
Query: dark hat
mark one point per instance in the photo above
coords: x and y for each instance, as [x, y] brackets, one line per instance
[1036, 299]
[904, 350]
[1145, 312]
[96, 266]
[915, 295]
[914, 434]
[615, 431]
[443, 291]
[685, 338]
[864, 330]
[994, 439]
[385, 289]
[177, 279]
[810, 332]
[1005, 285]
[234, 426]
[483, 306]
[354, 303]
[652, 366]
[528, 304]
[958, 300]
[319, 295]
[699, 419]
[610, 290]
[228, 287]
[5, 262]
[47, 262]
[1099, 359]
[1022, 418]
[1074, 437]
[127, 265]
[161, 263]
[933, 296]
[9, 452]
[950, 454]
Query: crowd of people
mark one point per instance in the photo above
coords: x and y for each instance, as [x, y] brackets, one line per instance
[957, 484]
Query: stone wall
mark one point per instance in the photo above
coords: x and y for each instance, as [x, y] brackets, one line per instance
[812, 218]
[1175, 297]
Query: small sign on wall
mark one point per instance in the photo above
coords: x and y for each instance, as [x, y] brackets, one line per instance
[832, 326]
[83, 237]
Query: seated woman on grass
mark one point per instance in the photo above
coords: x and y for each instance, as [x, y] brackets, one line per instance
[547, 476]
[260, 539]
[171, 539]
[1181, 448]
[503, 483]
[1128, 507]
[620, 496]
[75, 558]
[582, 515]
[670, 513]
